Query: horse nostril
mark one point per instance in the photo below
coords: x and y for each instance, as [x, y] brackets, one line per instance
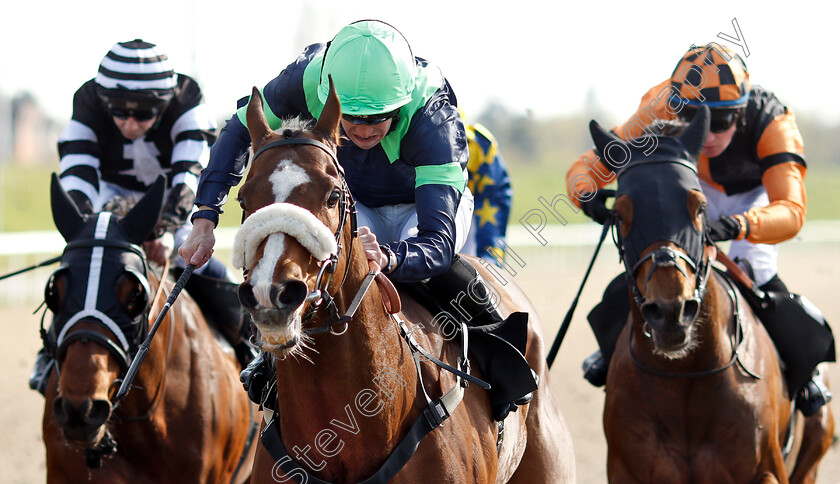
[292, 294]
[99, 413]
[59, 410]
[690, 310]
[653, 314]
[246, 296]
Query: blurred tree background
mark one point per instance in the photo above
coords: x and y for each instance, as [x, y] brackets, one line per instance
[537, 151]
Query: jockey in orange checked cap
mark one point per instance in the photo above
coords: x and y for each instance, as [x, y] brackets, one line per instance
[752, 168]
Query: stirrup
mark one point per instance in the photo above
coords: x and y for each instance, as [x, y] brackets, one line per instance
[813, 395]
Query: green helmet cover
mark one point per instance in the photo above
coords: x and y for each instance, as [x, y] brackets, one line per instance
[372, 68]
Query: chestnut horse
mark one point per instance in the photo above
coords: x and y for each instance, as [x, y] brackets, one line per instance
[695, 392]
[187, 419]
[356, 390]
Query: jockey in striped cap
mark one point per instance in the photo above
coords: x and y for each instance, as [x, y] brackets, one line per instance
[136, 120]
[135, 77]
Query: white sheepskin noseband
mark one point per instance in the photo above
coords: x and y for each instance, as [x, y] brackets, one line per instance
[281, 218]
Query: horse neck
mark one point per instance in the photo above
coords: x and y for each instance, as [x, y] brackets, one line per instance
[148, 386]
[364, 371]
[719, 310]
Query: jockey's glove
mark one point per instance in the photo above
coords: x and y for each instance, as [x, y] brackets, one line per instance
[725, 228]
[596, 207]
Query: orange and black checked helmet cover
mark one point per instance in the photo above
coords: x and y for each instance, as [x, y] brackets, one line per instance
[712, 75]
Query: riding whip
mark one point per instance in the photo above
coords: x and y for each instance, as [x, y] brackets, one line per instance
[40, 264]
[144, 347]
[561, 333]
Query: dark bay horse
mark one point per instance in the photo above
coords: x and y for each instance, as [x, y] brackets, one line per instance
[186, 419]
[353, 399]
[695, 393]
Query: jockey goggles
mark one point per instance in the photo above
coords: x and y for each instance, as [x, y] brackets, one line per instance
[140, 109]
[138, 114]
[371, 119]
[721, 119]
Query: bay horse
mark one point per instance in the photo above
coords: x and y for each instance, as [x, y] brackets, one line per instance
[358, 398]
[695, 392]
[187, 419]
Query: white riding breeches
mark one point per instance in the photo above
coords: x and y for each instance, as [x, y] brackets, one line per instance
[392, 223]
[763, 258]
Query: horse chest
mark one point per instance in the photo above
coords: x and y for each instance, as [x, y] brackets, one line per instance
[684, 440]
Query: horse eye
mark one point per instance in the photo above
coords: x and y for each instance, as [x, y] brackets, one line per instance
[335, 196]
[135, 298]
[53, 292]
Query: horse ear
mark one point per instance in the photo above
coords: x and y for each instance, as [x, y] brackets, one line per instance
[330, 115]
[257, 124]
[142, 218]
[600, 136]
[694, 136]
[66, 215]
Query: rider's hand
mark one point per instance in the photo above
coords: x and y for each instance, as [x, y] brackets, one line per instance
[725, 228]
[159, 250]
[372, 250]
[596, 207]
[198, 248]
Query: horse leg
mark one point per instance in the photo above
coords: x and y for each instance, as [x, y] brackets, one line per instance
[816, 439]
[549, 456]
[765, 478]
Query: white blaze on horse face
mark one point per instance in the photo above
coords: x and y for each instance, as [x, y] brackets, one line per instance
[262, 276]
[286, 177]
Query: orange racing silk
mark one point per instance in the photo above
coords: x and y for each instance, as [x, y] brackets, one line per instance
[767, 150]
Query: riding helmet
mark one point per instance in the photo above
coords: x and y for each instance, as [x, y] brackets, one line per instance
[712, 75]
[372, 68]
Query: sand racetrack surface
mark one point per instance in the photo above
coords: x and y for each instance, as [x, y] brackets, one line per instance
[550, 277]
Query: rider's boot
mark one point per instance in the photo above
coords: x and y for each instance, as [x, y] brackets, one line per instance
[40, 374]
[595, 369]
[813, 395]
[464, 293]
[468, 297]
[256, 376]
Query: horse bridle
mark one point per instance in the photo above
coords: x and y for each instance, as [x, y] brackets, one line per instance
[737, 344]
[667, 257]
[124, 348]
[320, 297]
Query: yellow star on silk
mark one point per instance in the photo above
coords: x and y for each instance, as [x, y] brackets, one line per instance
[486, 214]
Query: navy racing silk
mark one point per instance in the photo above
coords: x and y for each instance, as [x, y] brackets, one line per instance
[422, 160]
